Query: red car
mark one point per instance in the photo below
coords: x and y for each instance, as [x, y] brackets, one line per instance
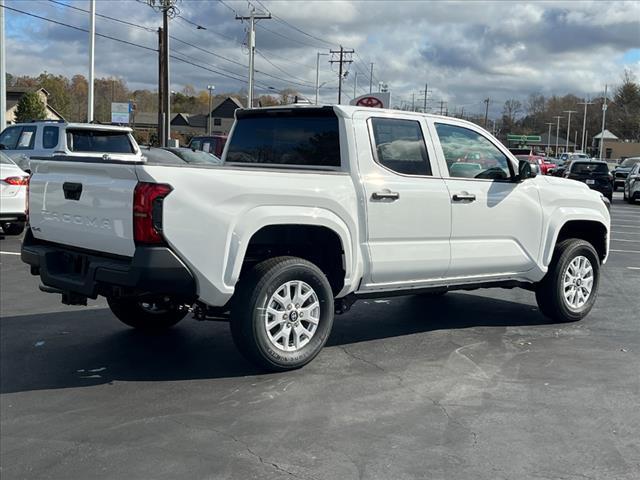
[543, 163]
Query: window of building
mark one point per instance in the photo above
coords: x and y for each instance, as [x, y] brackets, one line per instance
[217, 122]
[471, 155]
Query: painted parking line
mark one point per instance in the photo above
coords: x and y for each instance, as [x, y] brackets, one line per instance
[624, 226]
[624, 251]
[9, 253]
[633, 268]
[626, 221]
[624, 240]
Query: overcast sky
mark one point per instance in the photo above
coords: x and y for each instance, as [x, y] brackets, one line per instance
[465, 51]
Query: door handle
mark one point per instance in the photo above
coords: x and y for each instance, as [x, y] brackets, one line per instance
[385, 195]
[72, 191]
[464, 197]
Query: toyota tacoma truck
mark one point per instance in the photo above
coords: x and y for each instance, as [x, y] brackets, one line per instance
[313, 209]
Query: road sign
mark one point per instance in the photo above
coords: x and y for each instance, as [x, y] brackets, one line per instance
[524, 138]
[120, 112]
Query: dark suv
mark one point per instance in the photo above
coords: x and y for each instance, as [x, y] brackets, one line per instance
[595, 174]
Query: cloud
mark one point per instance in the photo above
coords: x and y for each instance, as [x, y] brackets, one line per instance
[465, 51]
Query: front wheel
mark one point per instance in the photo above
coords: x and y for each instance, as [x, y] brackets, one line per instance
[282, 313]
[568, 291]
[147, 314]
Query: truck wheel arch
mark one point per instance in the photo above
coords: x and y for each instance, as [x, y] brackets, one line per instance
[265, 221]
[593, 231]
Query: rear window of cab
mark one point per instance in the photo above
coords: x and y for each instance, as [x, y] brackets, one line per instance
[307, 138]
[80, 140]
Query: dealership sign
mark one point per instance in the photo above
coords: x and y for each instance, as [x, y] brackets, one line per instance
[120, 112]
[374, 100]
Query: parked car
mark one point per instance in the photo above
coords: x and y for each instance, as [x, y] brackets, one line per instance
[209, 143]
[55, 139]
[313, 209]
[632, 184]
[594, 174]
[574, 156]
[174, 155]
[621, 171]
[543, 164]
[13, 187]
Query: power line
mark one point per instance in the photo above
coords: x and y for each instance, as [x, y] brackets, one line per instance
[285, 37]
[80, 29]
[131, 24]
[223, 3]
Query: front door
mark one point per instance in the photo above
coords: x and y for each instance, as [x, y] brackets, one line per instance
[408, 214]
[496, 221]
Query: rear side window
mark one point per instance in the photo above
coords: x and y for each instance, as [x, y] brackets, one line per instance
[50, 137]
[400, 146]
[27, 138]
[9, 137]
[99, 141]
[304, 138]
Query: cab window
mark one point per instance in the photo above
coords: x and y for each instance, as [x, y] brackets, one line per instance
[470, 155]
[9, 138]
[50, 137]
[27, 138]
[399, 146]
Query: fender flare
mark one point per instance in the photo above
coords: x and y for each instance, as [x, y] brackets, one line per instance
[262, 216]
[560, 218]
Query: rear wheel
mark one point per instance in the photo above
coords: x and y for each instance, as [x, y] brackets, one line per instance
[13, 228]
[569, 289]
[282, 313]
[148, 314]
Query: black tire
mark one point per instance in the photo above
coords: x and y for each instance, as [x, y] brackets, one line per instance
[253, 293]
[550, 290]
[13, 228]
[147, 315]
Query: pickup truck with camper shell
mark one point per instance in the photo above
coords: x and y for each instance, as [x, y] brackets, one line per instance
[313, 209]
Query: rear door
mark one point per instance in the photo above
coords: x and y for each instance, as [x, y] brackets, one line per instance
[408, 214]
[81, 204]
[496, 221]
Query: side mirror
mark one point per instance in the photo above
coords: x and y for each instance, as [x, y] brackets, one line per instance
[525, 171]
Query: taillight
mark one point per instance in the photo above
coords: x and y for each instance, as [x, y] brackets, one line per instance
[16, 180]
[147, 212]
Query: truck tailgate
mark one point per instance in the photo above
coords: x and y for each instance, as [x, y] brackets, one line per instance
[86, 205]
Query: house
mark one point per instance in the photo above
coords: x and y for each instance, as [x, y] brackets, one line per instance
[14, 94]
[222, 115]
[614, 147]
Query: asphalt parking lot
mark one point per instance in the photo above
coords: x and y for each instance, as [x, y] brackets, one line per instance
[471, 385]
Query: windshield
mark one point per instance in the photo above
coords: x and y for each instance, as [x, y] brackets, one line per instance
[196, 156]
[4, 160]
[589, 167]
[630, 162]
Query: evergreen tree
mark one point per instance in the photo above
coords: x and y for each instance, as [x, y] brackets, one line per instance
[30, 107]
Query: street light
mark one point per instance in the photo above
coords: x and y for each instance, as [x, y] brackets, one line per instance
[568, 126]
[549, 136]
[211, 88]
[557, 117]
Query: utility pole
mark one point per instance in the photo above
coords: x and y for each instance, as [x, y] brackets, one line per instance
[413, 102]
[425, 93]
[568, 127]
[355, 84]
[371, 79]
[549, 137]
[252, 18]
[166, 90]
[92, 48]
[604, 116]
[557, 117]
[584, 124]
[442, 102]
[160, 89]
[318, 74]
[3, 70]
[486, 111]
[342, 52]
[211, 88]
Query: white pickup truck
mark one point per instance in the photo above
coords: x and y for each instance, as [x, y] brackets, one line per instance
[314, 208]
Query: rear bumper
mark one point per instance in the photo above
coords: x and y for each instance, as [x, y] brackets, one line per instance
[13, 217]
[151, 271]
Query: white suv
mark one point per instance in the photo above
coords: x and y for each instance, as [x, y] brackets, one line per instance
[23, 141]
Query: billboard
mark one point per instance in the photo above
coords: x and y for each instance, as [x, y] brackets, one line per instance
[120, 112]
[373, 100]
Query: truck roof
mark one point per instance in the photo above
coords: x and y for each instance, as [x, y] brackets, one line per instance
[85, 126]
